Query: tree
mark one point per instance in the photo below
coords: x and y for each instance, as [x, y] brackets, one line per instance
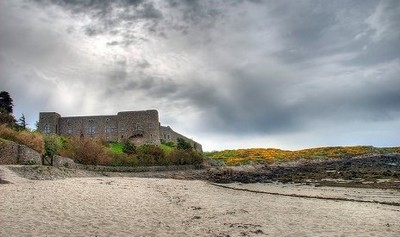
[6, 102]
[182, 144]
[37, 126]
[6, 118]
[21, 124]
[6, 109]
[128, 148]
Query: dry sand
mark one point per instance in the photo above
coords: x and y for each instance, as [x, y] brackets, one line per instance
[128, 206]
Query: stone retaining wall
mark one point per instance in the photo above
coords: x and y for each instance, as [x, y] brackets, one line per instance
[8, 152]
[59, 161]
[135, 169]
[12, 153]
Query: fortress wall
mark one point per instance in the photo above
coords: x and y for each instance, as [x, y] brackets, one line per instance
[97, 127]
[169, 135]
[140, 127]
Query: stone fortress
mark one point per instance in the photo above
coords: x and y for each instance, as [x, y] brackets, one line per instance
[139, 127]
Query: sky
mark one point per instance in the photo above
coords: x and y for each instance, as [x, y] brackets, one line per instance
[227, 73]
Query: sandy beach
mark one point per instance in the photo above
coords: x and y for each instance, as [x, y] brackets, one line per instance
[132, 206]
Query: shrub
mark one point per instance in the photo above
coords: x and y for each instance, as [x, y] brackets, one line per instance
[6, 132]
[149, 154]
[30, 139]
[183, 144]
[86, 151]
[184, 157]
[122, 159]
[169, 144]
[128, 148]
[53, 144]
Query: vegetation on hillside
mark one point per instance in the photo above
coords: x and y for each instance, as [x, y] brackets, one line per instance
[33, 140]
[93, 152]
[271, 155]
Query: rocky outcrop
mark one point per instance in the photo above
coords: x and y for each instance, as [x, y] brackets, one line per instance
[59, 161]
[12, 153]
[369, 171]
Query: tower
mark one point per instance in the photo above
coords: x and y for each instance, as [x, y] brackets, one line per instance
[49, 122]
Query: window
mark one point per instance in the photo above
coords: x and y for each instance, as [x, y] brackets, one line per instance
[46, 128]
[137, 135]
[91, 130]
[69, 131]
[150, 125]
[138, 127]
[107, 129]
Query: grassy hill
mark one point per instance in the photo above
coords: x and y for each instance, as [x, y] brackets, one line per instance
[271, 155]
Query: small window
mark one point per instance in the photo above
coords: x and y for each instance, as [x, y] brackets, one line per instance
[46, 128]
[138, 127]
[91, 130]
[69, 131]
[150, 125]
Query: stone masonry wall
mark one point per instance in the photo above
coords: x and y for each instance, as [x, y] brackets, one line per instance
[139, 127]
[59, 161]
[98, 127]
[169, 135]
[48, 122]
[8, 152]
[12, 153]
[27, 155]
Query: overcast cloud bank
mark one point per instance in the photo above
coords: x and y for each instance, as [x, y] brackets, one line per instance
[287, 74]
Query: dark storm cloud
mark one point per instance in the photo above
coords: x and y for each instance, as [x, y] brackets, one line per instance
[112, 17]
[143, 85]
[261, 103]
[254, 105]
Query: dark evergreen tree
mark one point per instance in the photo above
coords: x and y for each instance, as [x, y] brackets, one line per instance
[21, 124]
[6, 109]
[6, 102]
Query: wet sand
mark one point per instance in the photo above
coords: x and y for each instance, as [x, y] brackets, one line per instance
[132, 206]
